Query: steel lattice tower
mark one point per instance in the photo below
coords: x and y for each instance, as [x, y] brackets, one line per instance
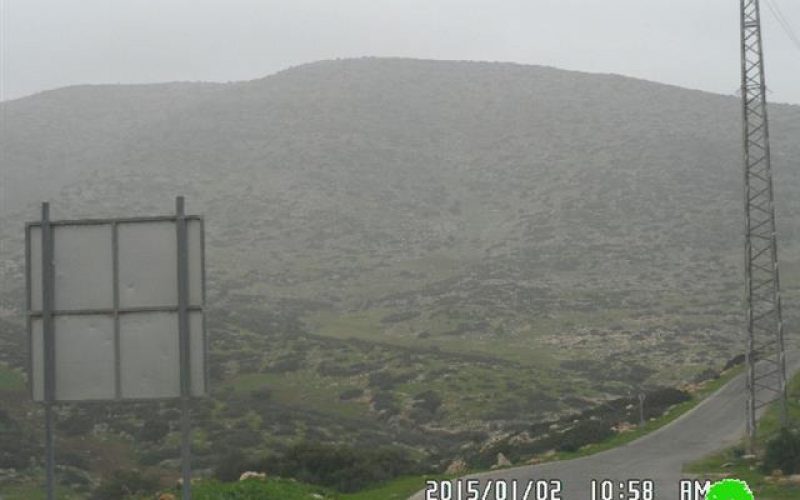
[765, 345]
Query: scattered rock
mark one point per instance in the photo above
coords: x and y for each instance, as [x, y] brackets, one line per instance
[458, 466]
[502, 461]
[521, 438]
[493, 440]
[261, 476]
[8, 475]
[179, 482]
[623, 427]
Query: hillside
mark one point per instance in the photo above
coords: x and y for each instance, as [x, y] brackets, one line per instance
[400, 249]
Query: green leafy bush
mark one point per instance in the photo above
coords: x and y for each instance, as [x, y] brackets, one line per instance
[153, 430]
[428, 400]
[668, 396]
[17, 446]
[231, 466]
[126, 484]
[783, 452]
[342, 467]
[586, 432]
[351, 393]
[254, 489]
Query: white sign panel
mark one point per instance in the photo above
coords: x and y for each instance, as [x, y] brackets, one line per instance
[115, 309]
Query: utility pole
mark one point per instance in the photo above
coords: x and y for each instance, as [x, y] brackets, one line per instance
[766, 383]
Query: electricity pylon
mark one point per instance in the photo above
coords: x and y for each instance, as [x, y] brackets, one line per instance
[765, 344]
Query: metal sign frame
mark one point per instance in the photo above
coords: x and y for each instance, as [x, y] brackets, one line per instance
[116, 311]
[184, 307]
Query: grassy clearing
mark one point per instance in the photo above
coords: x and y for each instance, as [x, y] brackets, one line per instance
[367, 326]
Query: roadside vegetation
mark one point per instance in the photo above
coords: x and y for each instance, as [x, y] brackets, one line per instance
[773, 469]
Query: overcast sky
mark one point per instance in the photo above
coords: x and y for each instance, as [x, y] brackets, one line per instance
[692, 43]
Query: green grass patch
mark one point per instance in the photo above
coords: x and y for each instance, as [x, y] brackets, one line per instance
[255, 489]
[397, 489]
[367, 326]
[730, 463]
[287, 489]
[10, 379]
[36, 491]
[301, 388]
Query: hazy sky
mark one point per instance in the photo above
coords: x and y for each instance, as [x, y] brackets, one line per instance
[692, 43]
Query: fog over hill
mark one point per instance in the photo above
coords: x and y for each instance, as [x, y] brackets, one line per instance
[430, 203]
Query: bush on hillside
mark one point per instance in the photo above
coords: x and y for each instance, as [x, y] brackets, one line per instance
[428, 400]
[344, 468]
[660, 399]
[153, 430]
[783, 452]
[585, 432]
[126, 484]
[232, 464]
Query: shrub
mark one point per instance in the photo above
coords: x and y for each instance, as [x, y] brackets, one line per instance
[586, 432]
[351, 393]
[76, 424]
[668, 396]
[284, 364]
[386, 380]
[231, 466]
[707, 374]
[126, 484]
[385, 402]
[17, 446]
[262, 394]
[735, 361]
[381, 380]
[420, 415]
[342, 467]
[154, 456]
[74, 459]
[153, 430]
[428, 400]
[783, 452]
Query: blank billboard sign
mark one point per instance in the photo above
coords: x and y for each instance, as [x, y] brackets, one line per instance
[115, 308]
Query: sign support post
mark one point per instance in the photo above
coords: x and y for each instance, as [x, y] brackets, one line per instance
[185, 352]
[49, 348]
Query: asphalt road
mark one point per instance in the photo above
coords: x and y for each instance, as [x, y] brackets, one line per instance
[716, 423]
